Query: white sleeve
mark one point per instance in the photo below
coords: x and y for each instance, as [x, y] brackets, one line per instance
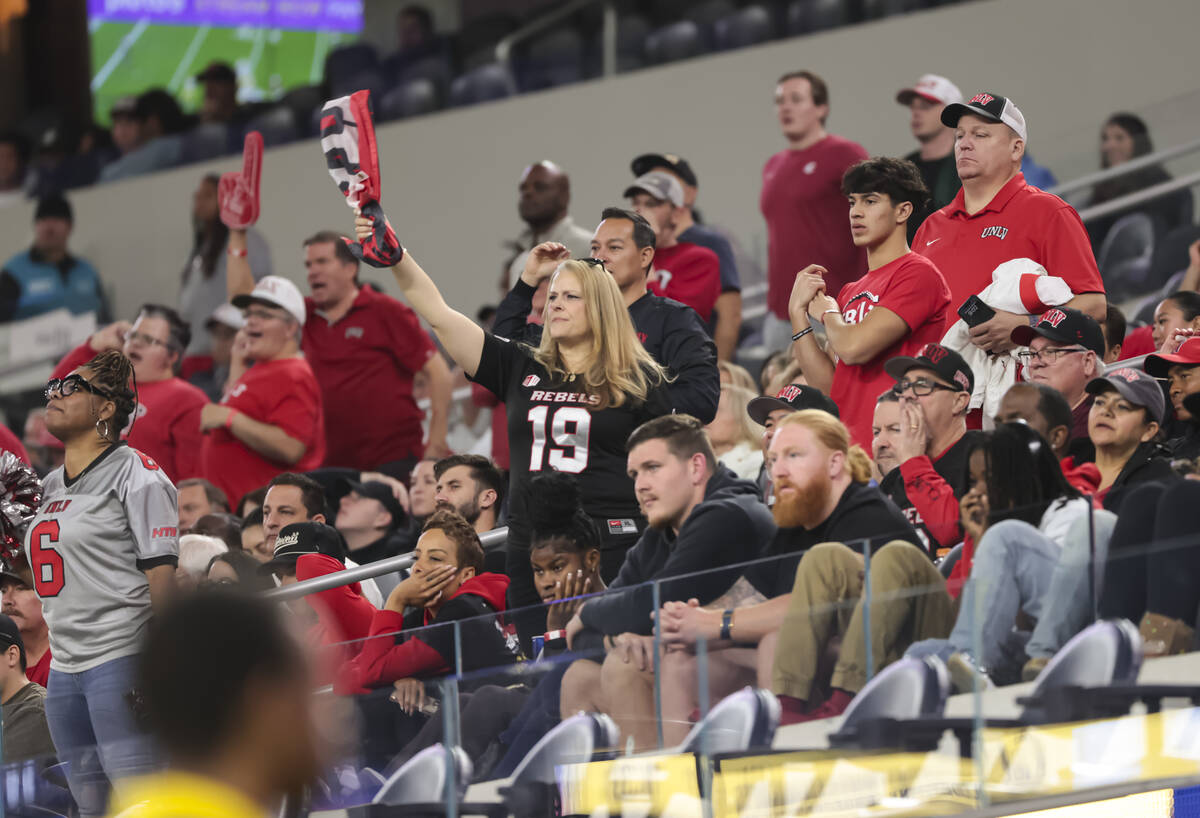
[152, 508]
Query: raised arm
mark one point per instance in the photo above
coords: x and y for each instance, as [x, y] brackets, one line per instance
[814, 361]
[239, 277]
[460, 336]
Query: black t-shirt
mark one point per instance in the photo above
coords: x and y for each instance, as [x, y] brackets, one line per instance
[952, 466]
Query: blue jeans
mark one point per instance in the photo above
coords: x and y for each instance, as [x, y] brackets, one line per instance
[94, 731]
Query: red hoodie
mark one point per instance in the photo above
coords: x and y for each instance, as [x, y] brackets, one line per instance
[387, 656]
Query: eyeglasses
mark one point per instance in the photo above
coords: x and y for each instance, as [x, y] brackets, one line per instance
[132, 337]
[71, 384]
[1049, 355]
[595, 261]
[921, 387]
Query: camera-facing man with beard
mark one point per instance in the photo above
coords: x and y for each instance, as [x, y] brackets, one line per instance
[822, 495]
[472, 486]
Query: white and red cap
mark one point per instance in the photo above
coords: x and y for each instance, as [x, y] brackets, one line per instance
[228, 315]
[991, 107]
[932, 87]
[275, 291]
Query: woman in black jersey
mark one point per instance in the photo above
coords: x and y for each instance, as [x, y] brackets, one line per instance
[571, 402]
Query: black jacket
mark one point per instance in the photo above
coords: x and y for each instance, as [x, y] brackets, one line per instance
[1148, 462]
[1187, 445]
[863, 513]
[671, 332]
[730, 526]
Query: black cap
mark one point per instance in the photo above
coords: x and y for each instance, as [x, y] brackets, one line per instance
[1135, 386]
[991, 107]
[677, 164]
[11, 635]
[217, 72]
[54, 206]
[1063, 325]
[793, 397]
[947, 363]
[298, 539]
[377, 490]
[16, 569]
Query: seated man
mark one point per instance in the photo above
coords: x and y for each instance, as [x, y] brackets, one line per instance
[1047, 412]
[369, 517]
[198, 497]
[471, 485]
[700, 517]
[823, 498]
[26, 734]
[1181, 371]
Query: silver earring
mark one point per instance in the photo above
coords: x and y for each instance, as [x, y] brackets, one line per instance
[103, 434]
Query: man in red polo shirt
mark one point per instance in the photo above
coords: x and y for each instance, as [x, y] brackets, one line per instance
[802, 201]
[997, 217]
[364, 348]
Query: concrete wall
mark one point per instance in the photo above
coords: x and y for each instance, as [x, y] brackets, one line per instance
[451, 178]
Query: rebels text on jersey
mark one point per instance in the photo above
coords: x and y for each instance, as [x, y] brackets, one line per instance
[89, 545]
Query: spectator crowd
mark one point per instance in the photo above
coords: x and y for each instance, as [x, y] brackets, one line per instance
[952, 400]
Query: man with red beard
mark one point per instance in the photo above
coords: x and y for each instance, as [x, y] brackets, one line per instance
[822, 496]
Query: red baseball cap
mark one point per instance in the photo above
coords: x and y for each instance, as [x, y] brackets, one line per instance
[1188, 354]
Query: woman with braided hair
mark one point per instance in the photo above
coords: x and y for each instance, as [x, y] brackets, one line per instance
[103, 548]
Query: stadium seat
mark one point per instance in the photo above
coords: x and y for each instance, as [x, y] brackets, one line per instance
[632, 31]
[1171, 254]
[370, 79]
[741, 720]
[413, 98]
[1143, 314]
[906, 689]
[707, 13]
[805, 16]
[750, 26]
[277, 126]
[677, 41]
[347, 61]
[476, 41]
[555, 58]
[484, 84]
[436, 68]
[578, 738]
[207, 140]
[1125, 255]
[422, 779]
[303, 101]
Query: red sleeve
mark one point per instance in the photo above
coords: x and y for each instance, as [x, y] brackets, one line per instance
[186, 435]
[344, 610]
[10, 443]
[381, 661]
[916, 293]
[961, 569]
[1138, 342]
[411, 344]
[77, 357]
[933, 499]
[1068, 253]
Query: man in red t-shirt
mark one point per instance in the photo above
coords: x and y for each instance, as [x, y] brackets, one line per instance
[997, 217]
[364, 348]
[802, 200]
[898, 307]
[166, 424]
[270, 419]
[686, 272]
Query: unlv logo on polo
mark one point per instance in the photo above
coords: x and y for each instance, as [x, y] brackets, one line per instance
[998, 232]
[982, 99]
[789, 393]
[934, 352]
[1053, 318]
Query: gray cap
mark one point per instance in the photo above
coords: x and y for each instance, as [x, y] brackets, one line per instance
[1135, 386]
[660, 185]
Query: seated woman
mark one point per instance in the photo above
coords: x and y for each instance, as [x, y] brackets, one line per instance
[736, 438]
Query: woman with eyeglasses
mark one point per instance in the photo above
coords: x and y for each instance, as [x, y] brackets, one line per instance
[103, 549]
[572, 401]
[167, 418]
[270, 419]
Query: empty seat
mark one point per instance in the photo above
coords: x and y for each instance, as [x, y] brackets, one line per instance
[346, 61]
[1171, 253]
[423, 778]
[486, 83]
[707, 13]
[1125, 255]
[576, 739]
[750, 26]
[677, 41]
[370, 79]
[740, 721]
[412, 98]
[398, 69]
[277, 126]
[804, 16]
[632, 31]
[476, 41]
[303, 101]
[906, 689]
[207, 140]
[555, 58]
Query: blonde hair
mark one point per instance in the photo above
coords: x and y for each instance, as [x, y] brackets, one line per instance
[739, 398]
[618, 367]
[832, 434]
[738, 375]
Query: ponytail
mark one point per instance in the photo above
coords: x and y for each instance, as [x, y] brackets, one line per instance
[113, 372]
[858, 464]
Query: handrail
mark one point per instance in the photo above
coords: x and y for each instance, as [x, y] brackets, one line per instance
[1136, 362]
[608, 32]
[1140, 162]
[1146, 194]
[368, 571]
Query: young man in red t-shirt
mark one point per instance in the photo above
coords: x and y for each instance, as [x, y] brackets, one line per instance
[802, 200]
[898, 307]
[686, 272]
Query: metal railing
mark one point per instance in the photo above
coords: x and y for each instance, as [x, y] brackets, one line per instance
[1146, 161]
[608, 35]
[1138, 197]
[369, 571]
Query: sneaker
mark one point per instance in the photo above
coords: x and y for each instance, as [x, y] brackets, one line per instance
[965, 674]
[1033, 668]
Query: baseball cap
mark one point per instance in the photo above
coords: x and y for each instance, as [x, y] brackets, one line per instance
[219, 71]
[11, 635]
[228, 315]
[126, 107]
[1063, 325]
[298, 539]
[660, 185]
[647, 162]
[1188, 354]
[992, 107]
[932, 87]
[1135, 386]
[793, 397]
[948, 364]
[278, 292]
[377, 490]
[16, 570]
[54, 206]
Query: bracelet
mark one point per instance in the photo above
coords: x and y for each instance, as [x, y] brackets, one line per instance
[229, 418]
[726, 623]
[237, 253]
[802, 333]
[550, 636]
[831, 309]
